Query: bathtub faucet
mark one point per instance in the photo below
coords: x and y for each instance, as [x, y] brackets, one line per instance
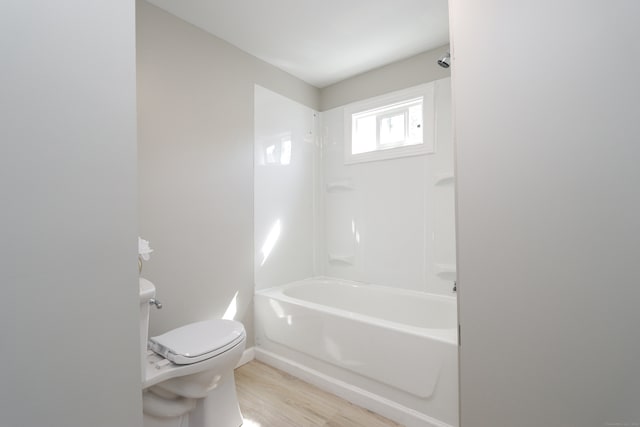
[455, 286]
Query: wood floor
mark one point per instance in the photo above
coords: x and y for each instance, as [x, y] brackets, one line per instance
[272, 398]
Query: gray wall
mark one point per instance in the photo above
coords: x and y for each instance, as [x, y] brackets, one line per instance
[195, 141]
[546, 115]
[418, 69]
[69, 306]
[195, 124]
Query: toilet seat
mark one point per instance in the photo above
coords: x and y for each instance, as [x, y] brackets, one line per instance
[198, 341]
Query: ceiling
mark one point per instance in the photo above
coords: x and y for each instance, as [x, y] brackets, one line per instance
[321, 41]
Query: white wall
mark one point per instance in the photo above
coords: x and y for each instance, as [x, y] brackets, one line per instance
[394, 225]
[69, 306]
[546, 115]
[285, 174]
[195, 108]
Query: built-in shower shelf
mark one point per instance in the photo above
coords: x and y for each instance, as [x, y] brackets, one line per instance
[446, 271]
[344, 185]
[445, 179]
[341, 259]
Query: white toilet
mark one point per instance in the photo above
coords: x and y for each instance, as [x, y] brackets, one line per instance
[188, 372]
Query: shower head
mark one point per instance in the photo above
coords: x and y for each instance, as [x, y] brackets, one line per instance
[445, 60]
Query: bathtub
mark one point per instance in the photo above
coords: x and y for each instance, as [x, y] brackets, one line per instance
[389, 350]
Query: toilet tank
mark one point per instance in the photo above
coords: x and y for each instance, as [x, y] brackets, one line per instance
[147, 291]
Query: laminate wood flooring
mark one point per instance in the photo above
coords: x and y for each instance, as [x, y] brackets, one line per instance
[271, 398]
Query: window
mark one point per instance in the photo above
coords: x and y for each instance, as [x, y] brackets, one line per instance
[389, 126]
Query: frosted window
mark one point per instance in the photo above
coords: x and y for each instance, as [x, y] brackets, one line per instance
[390, 126]
[394, 125]
[415, 125]
[392, 130]
[364, 134]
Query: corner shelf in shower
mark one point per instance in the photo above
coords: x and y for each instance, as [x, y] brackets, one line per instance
[444, 179]
[446, 271]
[344, 185]
[342, 259]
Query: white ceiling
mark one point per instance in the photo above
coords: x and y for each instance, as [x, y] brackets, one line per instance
[321, 41]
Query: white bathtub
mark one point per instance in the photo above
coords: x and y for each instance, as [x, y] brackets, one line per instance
[390, 350]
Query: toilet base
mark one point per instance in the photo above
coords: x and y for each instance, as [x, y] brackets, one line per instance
[151, 421]
[218, 409]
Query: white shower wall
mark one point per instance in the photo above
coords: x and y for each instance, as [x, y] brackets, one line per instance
[286, 154]
[387, 222]
[391, 222]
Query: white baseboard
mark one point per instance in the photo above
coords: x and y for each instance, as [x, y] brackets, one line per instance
[378, 404]
[247, 356]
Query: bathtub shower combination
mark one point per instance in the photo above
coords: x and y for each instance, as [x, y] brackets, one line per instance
[355, 252]
[392, 351]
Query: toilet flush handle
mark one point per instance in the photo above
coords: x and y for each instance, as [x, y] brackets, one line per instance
[155, 302]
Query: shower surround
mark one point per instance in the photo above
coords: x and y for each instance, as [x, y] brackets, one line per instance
[385, 228]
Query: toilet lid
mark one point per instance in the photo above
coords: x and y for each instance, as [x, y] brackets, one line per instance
[198, 341]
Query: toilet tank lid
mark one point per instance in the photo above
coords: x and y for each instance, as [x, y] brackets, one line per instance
[198, 341]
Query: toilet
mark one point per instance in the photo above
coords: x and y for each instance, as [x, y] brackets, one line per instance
[188, 372]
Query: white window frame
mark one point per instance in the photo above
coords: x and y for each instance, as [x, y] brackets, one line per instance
[424, 91]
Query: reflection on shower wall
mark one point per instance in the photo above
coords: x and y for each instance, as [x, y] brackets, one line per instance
[388, 222]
